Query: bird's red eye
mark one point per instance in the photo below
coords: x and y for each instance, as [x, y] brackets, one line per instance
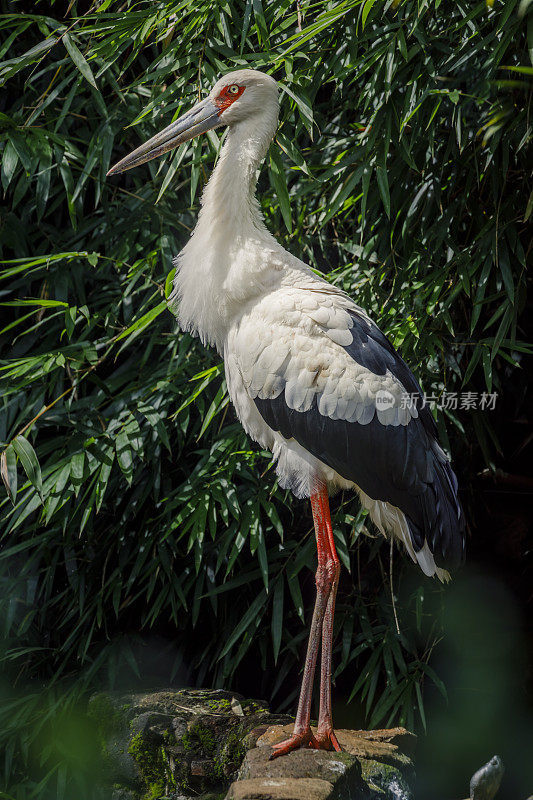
[228, 95]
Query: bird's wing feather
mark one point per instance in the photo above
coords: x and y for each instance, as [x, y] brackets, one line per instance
[314, 363]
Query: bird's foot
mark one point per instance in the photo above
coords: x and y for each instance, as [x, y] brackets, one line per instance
[294, 742]
[325, 740]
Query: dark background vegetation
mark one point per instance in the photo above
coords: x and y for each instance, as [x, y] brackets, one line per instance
[146, 542]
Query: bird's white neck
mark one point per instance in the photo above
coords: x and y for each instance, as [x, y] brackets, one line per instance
[224, 262]
[229, 196]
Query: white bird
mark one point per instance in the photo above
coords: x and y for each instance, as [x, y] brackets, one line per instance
[311, 376]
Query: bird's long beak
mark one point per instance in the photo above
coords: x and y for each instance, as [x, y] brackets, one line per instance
[204, 116]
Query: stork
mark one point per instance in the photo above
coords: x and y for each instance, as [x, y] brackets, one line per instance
[310, 375]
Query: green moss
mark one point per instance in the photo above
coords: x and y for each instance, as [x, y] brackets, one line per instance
[226, 760]
[234, 747]
[152, 763]
[345, 758]
[231, 755]
[219, 705]
[224, 705]
[180, 778]
[169, 738]
[201, 738]
[379, 776]
[253, 707]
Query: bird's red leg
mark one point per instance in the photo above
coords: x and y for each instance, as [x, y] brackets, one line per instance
[326, 575]
[325, 734]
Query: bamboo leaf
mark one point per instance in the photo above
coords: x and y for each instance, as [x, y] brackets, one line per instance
[9, 164]
[29, 461]
[367, 8]
[383, 186]
[277, 619]
[279, 184]
[8, 469]
[143, 322]
[250, 619]
[78, 59]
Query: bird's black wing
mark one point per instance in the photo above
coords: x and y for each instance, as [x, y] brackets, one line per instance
[400, 464]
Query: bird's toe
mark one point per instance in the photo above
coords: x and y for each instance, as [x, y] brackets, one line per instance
[294, 742]
[326, 740]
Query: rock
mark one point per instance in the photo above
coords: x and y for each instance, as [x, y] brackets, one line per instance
[389, 744]
[372, 765]
[175, 743]
[302, 763]
[113, 733]
[124, 794]
[185, 743]
[236, 707]
[486, 781]
[280, 789]
[203, 768]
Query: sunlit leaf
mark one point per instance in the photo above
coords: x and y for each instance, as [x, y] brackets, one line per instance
[8, 469]
[28, 459]
[79, 59]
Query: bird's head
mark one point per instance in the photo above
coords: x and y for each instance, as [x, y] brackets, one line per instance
[235, 97]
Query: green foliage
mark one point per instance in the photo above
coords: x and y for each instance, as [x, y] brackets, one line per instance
[134, 501]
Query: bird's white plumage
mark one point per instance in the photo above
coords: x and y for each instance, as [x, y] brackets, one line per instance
[280, 328]
[283, 344]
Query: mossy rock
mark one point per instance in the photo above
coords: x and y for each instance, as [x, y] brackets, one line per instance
[170, 743]
[218, 745]
[189, 742]
[200, 738]
[121, 793]
[387, 781]
[152, 761]
[112, 730]
[230, 755]
[222, 704]
[371, 766]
